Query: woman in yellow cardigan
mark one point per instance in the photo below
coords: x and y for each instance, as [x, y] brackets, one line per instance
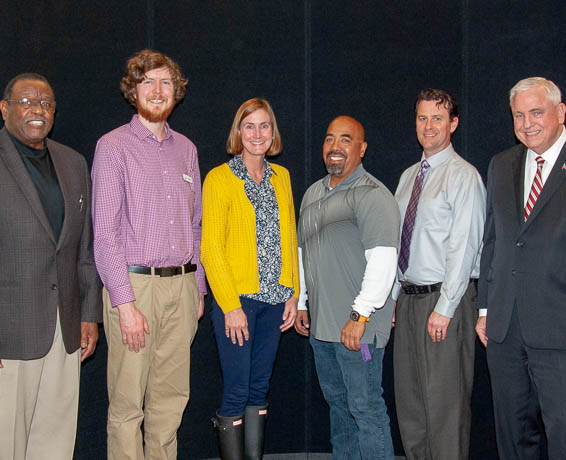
[249, 252]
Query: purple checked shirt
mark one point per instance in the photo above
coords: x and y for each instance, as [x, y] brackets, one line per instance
[146, 205]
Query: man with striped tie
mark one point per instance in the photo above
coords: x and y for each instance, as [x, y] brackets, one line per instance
[442, 204]
[523, 277]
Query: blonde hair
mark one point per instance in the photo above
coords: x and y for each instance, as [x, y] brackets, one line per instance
[234, 144]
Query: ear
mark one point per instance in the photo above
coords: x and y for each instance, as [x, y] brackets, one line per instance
[4, 109]
[561, 108]
[363, 148]
[454, 124]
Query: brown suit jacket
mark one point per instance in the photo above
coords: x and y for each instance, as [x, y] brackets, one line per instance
[38, 273]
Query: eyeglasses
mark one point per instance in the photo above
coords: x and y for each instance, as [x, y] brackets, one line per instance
[27, 103]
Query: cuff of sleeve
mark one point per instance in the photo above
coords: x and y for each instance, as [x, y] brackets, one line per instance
[122, 294]
[201, 283]
[445, 308]
[302, 307]
[395, 290]
[482, 312]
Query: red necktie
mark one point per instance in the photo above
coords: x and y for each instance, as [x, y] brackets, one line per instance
[535, 188]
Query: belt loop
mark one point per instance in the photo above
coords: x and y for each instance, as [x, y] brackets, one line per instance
[152, 271]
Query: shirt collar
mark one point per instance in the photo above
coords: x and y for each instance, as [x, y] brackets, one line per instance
[552, 153]
[26, 150]
[348, 180]
[439, 158]
[142, 132]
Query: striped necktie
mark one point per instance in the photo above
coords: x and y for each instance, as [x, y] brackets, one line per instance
[410, 216]
[535, 188]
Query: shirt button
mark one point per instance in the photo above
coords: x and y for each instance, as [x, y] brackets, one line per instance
[168, 197]
[165, 172]
[170, 221]
[520, 244]
[53, 287]
[173, 247]
[513, 272]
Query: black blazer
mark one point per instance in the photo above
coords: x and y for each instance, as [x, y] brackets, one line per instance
[524, 263]
[37, 273]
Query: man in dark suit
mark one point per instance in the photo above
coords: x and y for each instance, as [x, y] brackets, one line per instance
[523, 277]
[50, 297]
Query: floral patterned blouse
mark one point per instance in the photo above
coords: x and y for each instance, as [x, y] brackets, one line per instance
[262, 198]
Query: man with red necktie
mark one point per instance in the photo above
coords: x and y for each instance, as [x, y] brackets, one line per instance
[523, 277]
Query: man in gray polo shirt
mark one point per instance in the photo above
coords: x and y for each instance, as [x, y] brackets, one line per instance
[348, 236]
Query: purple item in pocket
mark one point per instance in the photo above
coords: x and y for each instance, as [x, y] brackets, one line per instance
[366, 355]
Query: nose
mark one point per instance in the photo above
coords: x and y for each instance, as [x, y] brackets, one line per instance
[527, 123]
[257, 132]
[428, 124]
[36, 107]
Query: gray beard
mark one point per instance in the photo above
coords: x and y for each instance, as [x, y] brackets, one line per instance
[334, 169]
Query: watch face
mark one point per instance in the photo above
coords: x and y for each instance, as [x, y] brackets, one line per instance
[354, 316]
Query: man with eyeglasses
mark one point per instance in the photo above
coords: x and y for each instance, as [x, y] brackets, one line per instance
[348, 236]
[49, 291]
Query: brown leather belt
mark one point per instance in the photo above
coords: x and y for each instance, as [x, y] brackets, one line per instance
[162, 271]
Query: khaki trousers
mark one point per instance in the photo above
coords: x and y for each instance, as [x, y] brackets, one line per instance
[151, 386]
[39, 400]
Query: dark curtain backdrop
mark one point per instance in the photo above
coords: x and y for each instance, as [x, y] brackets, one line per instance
[312, 60]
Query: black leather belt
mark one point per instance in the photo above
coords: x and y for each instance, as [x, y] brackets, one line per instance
[414, 289]
[162, 271]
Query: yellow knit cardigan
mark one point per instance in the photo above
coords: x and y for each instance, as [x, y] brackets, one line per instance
[229, 244]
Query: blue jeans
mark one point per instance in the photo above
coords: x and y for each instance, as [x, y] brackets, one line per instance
[246, 370]
[359, 423]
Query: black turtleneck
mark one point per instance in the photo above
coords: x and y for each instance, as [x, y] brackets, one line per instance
[42, 172]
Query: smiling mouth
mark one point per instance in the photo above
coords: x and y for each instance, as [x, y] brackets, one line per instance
[36, 122]
[335, 156]
[532, 133]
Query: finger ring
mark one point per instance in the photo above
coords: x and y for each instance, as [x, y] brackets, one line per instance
[439, 331]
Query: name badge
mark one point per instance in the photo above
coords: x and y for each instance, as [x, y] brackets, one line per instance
[187, 178]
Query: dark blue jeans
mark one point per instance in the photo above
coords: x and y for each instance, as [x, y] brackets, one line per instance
[247, 370]
[359, 423]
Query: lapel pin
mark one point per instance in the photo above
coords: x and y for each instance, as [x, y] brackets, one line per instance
[564, 166]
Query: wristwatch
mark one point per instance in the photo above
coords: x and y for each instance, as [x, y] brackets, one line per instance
[355, 316]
